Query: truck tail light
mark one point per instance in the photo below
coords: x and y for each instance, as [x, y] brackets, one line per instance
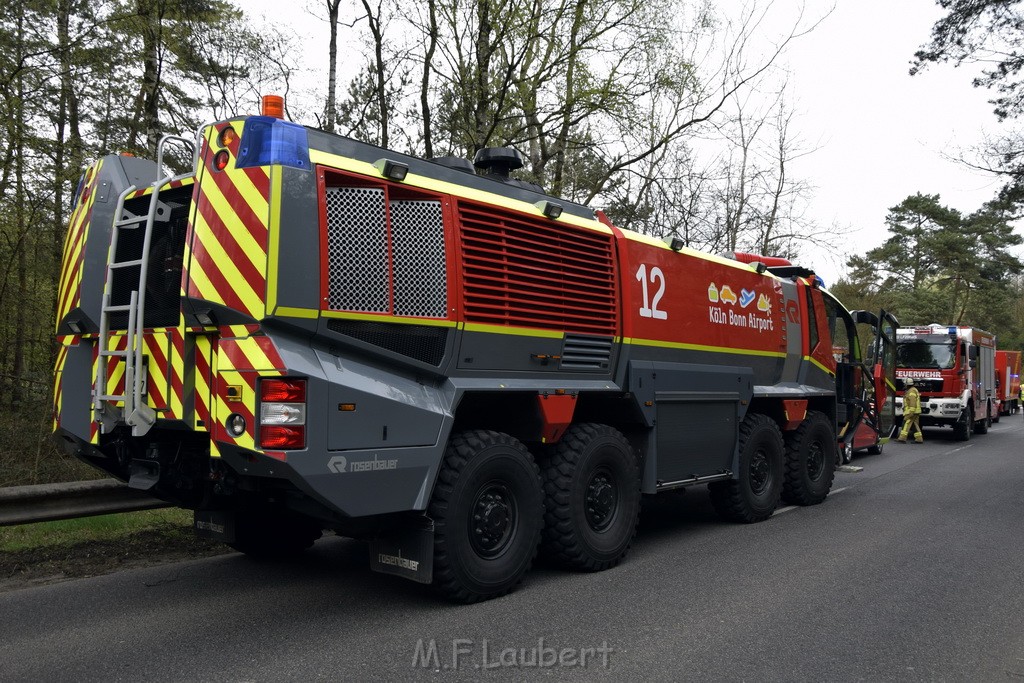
[283, 414]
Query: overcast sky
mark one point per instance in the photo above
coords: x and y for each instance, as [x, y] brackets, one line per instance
[880, 134]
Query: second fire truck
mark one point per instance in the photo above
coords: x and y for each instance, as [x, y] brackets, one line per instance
[1008, 381]
[953, 367]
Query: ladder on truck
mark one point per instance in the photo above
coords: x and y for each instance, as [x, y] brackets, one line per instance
[136, 412]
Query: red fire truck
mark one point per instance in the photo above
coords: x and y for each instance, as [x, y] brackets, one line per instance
[1008, 381]
[954, 368]
[304, 332]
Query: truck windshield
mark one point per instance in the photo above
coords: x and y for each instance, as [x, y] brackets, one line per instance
[920, 353]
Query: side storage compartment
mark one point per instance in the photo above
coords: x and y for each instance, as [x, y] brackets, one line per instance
[697, 411]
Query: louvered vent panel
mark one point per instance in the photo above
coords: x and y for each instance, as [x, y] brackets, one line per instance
[536, 273]
[586, 353]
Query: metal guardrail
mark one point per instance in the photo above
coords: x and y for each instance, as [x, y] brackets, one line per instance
[48, 502]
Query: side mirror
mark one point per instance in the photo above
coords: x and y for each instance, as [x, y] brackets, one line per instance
[973, 363]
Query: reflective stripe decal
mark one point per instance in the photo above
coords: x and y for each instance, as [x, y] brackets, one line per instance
[240, 363]
[148, 190]
[227, 245]
[58, 374]
[252, 353]
[69, 292]
[203, 373]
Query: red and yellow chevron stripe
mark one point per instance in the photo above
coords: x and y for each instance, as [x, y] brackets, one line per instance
[205, 356]
[115, 365]
[164, 351]
[240, 362]
[58, 372]
[69, 286]
[179, 182]
[227, 244]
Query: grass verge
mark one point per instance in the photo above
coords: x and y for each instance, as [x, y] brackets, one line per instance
[32, 554]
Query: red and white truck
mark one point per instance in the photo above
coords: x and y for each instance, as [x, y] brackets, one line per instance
[1008, 381]
[954, 368]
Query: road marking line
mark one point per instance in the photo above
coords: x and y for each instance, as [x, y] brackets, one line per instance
[838, 490]
[957, 450]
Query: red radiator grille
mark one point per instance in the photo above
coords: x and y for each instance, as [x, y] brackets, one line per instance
[536, 273]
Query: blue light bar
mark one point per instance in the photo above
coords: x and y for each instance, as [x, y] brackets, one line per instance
[266, 140]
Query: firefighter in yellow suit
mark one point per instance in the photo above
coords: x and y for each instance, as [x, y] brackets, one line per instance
[911, 413]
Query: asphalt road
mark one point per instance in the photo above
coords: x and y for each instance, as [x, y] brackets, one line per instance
[911, 570]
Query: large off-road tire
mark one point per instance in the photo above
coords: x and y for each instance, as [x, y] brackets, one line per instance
[488, 512]
[273, 534]
[591, 498]
[754, 494]
[982, 426]
[964, 427]
[810, 460]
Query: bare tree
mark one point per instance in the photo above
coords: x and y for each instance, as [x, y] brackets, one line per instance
[331, 108]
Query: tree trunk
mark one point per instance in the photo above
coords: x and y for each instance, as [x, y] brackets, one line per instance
[481, 96]
[21, 297]
[428, 59]
[67, 157]
[147, 102]
[379, 84]
[561, 142]
[331, 110]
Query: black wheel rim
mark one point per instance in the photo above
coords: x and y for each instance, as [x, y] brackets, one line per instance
[815, 460]
[760, 472]
[602, 499]
[493, 519]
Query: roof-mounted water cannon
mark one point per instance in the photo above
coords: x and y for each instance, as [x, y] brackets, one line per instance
[776, 265]
[499, 161]
[770, 261]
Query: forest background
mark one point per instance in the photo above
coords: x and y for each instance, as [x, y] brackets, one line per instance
[671, 116]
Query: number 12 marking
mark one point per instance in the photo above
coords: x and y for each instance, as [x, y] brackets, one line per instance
[650, 307]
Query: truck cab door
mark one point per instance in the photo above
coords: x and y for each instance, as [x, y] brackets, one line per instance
[846, 351]
[883, 372]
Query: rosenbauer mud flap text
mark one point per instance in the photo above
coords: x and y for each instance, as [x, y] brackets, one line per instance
[407, 552]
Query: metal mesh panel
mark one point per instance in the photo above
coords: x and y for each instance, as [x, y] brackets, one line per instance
[417, 238]
[357, 250]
